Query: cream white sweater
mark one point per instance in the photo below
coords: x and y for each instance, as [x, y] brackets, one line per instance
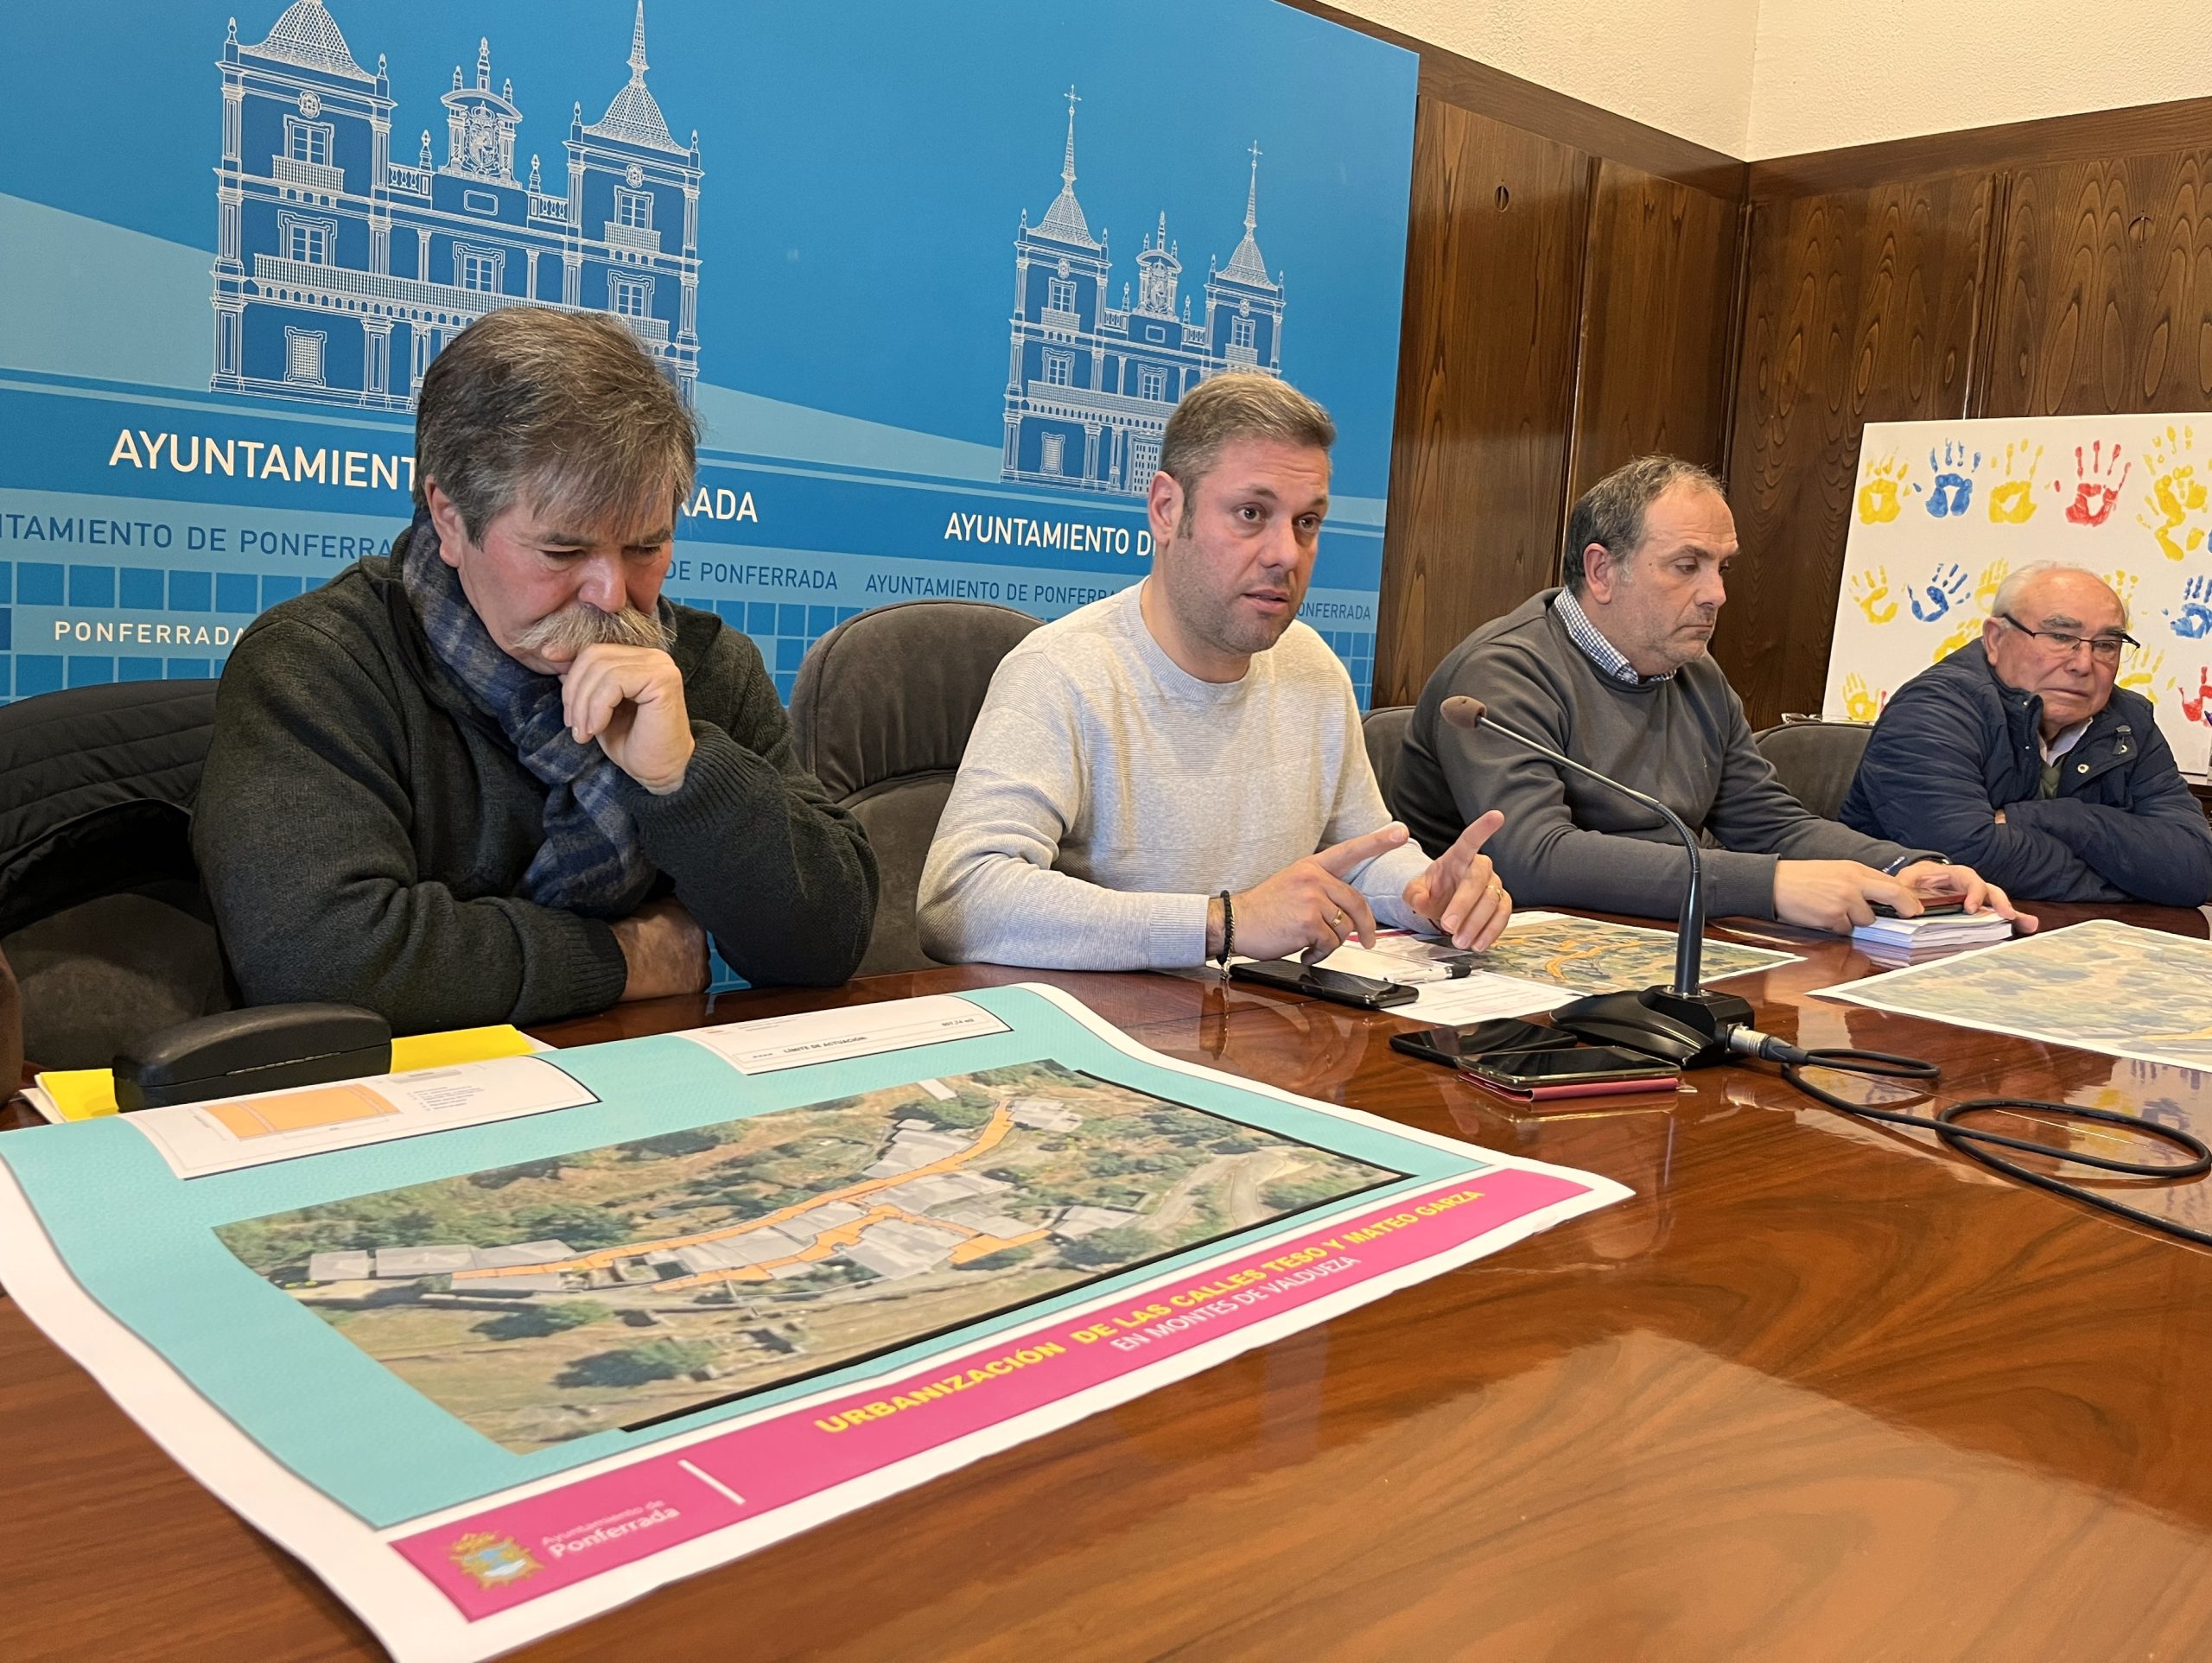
[1106, 794]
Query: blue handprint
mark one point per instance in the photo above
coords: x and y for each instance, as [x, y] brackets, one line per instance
[1946, 588]
[2193, 622]
[1953, 491]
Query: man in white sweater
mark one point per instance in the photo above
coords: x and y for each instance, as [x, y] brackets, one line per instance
[1176, 773]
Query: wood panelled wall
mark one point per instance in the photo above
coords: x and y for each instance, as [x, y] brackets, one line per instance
[1565, 310]
[1658, 324]
[1580, 290]
[1861, 307]
[2053, 268]
[1485, 385]
[1571, 282]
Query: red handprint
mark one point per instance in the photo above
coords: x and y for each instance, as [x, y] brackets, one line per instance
[2097, 492]
[2200, 707]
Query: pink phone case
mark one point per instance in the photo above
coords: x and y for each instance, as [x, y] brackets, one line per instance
[1578, 1089]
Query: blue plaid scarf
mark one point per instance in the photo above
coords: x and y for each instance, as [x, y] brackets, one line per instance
[590, 862]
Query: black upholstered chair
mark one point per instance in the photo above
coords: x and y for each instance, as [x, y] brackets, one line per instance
[1385, 731]
[101, 913]
[881, 709]
[1816, 761]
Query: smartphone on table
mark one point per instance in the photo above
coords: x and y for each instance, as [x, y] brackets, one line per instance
[1295, 976]
[1453, 1046]
[1575, 1071]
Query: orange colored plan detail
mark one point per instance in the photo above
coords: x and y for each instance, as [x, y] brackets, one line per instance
[300, 1111]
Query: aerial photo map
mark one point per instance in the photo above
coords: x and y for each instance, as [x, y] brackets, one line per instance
[623, 1285]
[2100, 986]
[1592, 955]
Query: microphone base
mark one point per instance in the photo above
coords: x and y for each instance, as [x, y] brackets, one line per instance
[1689, 1031]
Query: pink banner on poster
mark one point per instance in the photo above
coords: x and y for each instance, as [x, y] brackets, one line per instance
[496, 1559]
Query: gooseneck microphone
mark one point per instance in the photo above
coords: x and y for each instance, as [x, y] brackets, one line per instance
[1689, 942]
[1690, 1027]
[1684, 1022]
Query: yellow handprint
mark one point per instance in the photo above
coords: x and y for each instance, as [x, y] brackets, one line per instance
[1969, 631]
[1869, 591]
[2122, 583]
[2013, 502]
[2143, 673]
[1878, 502]
[2175, 494]
[2110, 1099]
[1859, 704]
[1993, 579]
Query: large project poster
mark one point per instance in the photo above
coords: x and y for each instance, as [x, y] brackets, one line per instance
[933, 278]
[494, 1348]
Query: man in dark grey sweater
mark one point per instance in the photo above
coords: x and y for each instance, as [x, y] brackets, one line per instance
[1613, 670]
[496, 777]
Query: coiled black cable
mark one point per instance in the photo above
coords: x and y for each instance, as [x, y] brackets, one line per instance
[1982, 1145]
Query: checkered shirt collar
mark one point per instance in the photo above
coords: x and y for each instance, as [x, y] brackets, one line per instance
[1599, 651]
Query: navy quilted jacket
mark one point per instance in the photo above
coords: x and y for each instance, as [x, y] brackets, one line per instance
[1955, 745]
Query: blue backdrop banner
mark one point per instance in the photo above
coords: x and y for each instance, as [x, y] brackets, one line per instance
[921, 270]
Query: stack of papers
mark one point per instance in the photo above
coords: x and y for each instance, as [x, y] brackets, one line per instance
[1908, 940]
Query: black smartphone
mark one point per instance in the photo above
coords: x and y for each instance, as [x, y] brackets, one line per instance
[1450, 1047]
[1577, 1069]
[1295, 977]
[1928, 908]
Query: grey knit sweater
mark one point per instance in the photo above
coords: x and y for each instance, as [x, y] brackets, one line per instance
[363, 836]
[1569, 841]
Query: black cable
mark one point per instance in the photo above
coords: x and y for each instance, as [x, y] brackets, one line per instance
[1982, 1146]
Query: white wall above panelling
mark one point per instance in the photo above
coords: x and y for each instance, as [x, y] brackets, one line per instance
[1767, 78]
[1682, 66]
[1834, 73]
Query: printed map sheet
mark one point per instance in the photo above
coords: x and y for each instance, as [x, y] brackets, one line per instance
[490, 1380]
[198, 1138]
[2099, 986]
[1543, 959]
[1592, 955]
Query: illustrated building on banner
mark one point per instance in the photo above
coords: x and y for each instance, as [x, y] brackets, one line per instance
[1090, 385]
[340, 273]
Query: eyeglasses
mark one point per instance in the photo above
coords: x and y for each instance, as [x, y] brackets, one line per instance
[2105, 649]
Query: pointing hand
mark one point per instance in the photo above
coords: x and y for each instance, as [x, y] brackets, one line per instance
[1460, 892]
[1309, 906]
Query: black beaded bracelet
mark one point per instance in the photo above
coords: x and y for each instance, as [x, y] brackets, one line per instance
[1228, 928]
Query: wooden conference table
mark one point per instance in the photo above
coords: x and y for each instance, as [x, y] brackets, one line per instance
[1817, 1392]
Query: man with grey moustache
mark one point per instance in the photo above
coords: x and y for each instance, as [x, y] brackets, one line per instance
[496, 777]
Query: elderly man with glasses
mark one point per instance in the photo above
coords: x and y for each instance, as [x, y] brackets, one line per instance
[2018, 755]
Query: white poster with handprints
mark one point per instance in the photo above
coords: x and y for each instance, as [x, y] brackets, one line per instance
[1942, 511]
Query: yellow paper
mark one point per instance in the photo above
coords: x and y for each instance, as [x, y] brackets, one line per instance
[441, 1051]
[86, 1093]
[80, 1094]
